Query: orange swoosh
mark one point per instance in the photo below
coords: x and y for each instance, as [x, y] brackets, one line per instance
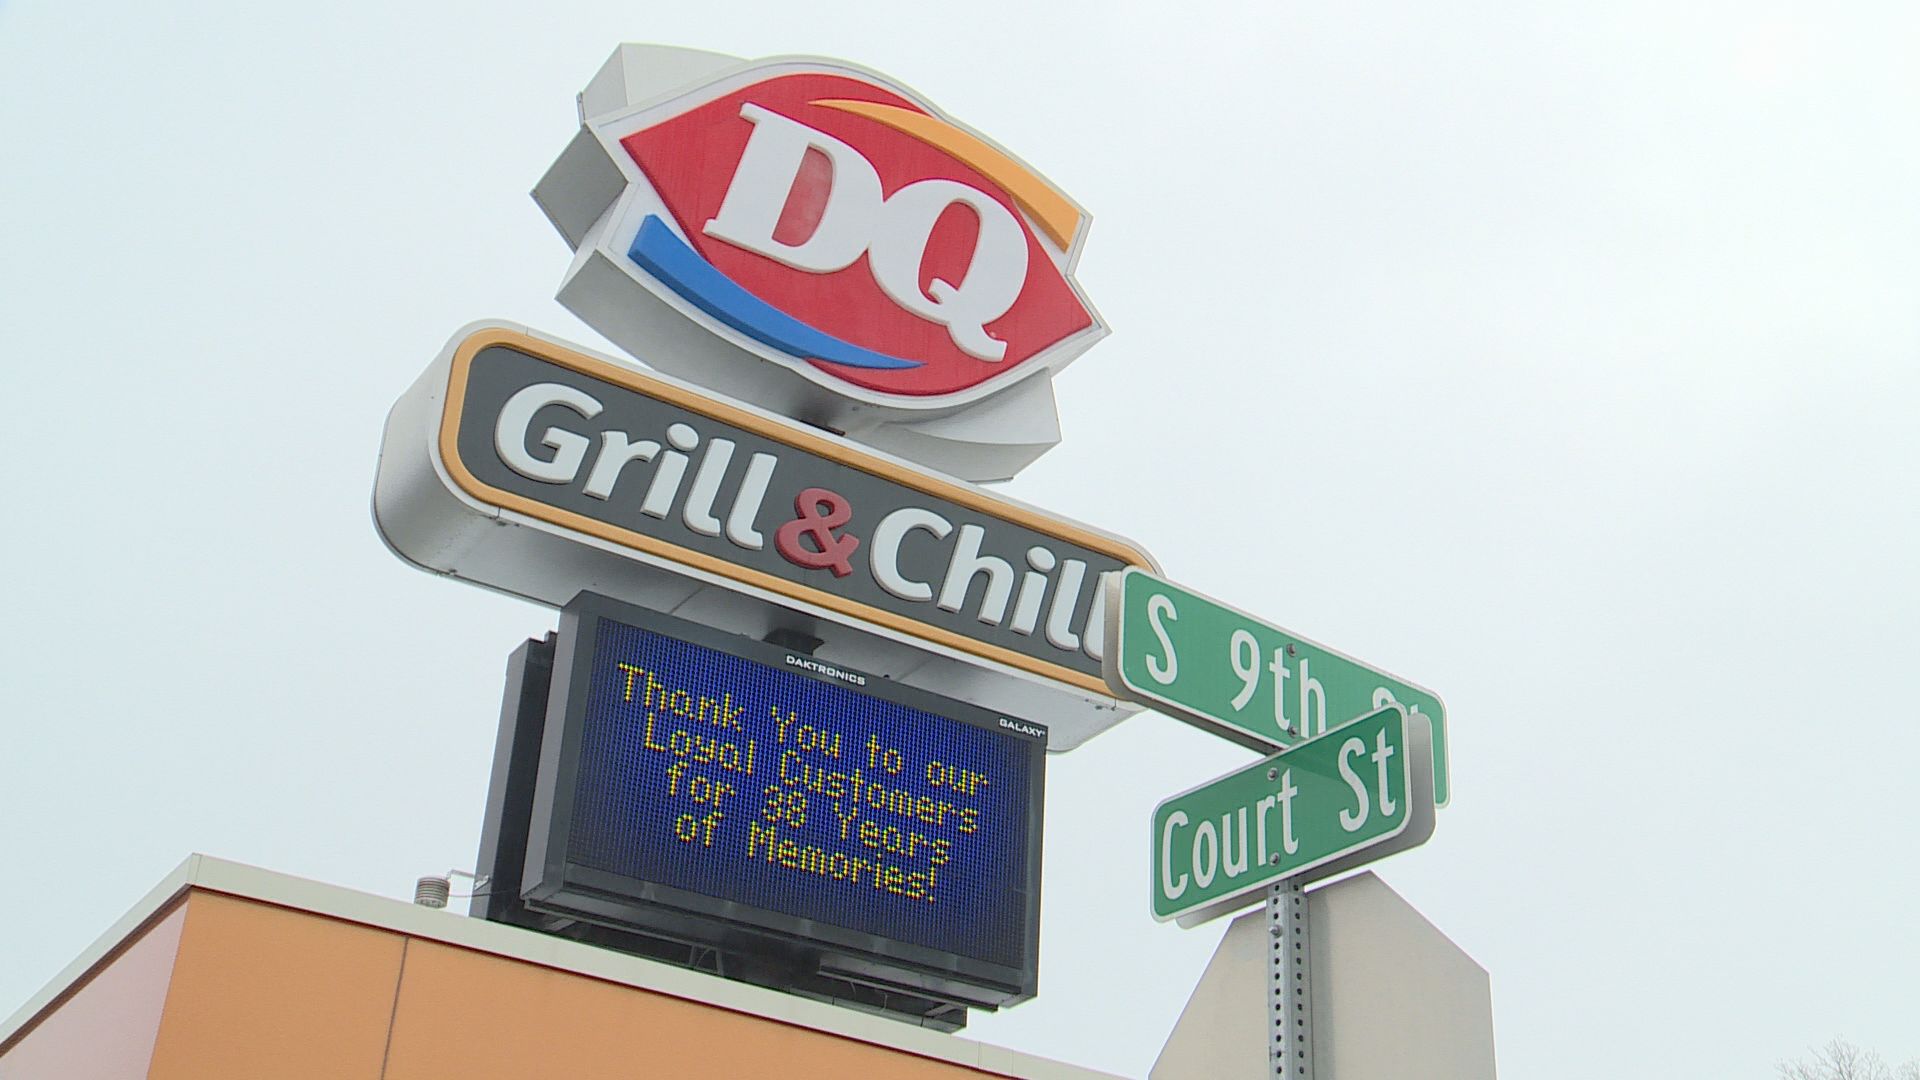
[1057, 217]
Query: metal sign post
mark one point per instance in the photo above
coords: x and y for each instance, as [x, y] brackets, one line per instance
[1289, 983]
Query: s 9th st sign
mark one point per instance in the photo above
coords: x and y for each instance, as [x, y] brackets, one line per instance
[1244, 679]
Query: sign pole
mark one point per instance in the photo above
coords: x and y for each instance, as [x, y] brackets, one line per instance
[1289, 983]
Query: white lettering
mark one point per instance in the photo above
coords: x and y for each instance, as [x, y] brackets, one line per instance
[1288, 842]
[1279, 668]
[1033, 590]
[995, 273]
[1312, 693]
[746, 505]
[668, 474]
[698, 513]
[761, 183]
[1205, 868]
[1226, 844]
[1243, 655]
[1349, 819]
[967, 564]
[1066, 596]
[569, 448]
[615, 453]
[1381, 755]
[816, 666]
[1168, 887]
[1162, 671]
[885, 558]
[1260, 825]
[892, 231]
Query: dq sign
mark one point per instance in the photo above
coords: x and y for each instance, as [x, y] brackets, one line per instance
[829, 222]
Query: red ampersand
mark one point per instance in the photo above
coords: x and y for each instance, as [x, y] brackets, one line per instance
[829, 552]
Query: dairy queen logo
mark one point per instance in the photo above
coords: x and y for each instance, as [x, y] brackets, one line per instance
[891, 265]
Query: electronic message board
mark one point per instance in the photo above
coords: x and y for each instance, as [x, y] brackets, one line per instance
[700, 784]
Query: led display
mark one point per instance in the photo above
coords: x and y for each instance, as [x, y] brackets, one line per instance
[687, 771]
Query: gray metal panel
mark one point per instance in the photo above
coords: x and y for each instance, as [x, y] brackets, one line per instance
[1221, 1032]
[1393, 998]
[579, 187]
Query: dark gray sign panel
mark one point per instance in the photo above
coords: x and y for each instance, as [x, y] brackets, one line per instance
[628, 468]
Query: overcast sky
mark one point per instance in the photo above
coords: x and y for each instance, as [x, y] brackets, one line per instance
[1563, 357]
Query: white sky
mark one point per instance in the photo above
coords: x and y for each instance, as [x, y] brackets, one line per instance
[1564, 357]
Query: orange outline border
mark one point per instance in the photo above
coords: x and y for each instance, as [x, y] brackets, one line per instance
[972, 498]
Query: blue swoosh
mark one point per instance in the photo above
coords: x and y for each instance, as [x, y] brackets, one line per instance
[668, 258]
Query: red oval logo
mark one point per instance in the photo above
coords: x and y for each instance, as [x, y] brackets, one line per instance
[834, 221]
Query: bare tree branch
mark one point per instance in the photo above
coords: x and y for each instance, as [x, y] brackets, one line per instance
[1841, 1060]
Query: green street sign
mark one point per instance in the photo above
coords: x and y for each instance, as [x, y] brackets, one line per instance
[1348, 797]
[1254, 683]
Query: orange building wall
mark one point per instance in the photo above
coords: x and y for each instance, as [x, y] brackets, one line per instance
[224, 988]
[265, 991]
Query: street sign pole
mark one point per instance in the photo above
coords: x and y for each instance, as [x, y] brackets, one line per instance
[1361, 767]
[1289, 983]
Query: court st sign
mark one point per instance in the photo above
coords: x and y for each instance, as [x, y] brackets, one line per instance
[1353, 795]
[1246, 680]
